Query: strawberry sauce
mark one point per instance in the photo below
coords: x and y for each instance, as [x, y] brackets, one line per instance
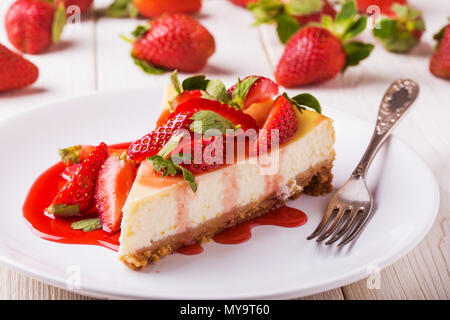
[54, 229]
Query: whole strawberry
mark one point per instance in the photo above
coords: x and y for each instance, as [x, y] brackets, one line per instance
[84, 5]
[33, 25]
[15, 71]
[318, 53]
[385, 6]
[172, 42]
[290, 15]
[400, 31]
[440, 61]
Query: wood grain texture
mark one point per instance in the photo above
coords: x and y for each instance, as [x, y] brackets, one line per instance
[93, 57]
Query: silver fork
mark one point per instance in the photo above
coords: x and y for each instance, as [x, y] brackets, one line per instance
[352, 205]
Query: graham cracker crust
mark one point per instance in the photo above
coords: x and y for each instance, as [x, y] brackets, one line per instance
[315, 181]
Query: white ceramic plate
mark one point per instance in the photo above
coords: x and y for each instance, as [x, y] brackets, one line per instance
[276, 263]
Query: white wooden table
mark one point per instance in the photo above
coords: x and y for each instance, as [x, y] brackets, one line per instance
[92, 57]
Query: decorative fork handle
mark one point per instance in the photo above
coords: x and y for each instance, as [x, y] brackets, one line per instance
[396, 102]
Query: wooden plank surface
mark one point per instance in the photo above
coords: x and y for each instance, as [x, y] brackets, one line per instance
[93, 57]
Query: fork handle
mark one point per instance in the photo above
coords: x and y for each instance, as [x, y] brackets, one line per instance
[396, 102]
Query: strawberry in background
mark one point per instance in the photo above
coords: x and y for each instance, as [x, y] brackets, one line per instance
[152, 8]
[384, 5]
[172, 42]
[401, 30]
[84, 5]
[318, 53]
[34, 25]
[15, 71]
[290, 15]
[440, 61]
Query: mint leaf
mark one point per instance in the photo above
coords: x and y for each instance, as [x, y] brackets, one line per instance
[59, 20]
[175, 82]
[87, 225]
[195, 83]
[140, 31]
[304, 100]
[241, 90]
[70, 155]
[170, 145]
[355, 52]
[209, 120]
[287, 26]
[146, 67]
[168, 167]
[217, 89]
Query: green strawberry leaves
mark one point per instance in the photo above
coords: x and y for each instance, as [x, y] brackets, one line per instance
[140, 31]
[87, 225]
[70, 155]
[348, 24]
[241, 90]
[355, 52]
[282, 14]
[147, 67]
[59, 20]
[304, 100]
[64, 210]
[198, 82]
[287, 26]
[169, 167]
[122, 8]
[440, 35]
[402, 32]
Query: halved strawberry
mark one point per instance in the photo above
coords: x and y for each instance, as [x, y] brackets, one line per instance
[260, 90]
[185, 96]
[150, 144]
[76, 196]
[113, 185]
[282, 117]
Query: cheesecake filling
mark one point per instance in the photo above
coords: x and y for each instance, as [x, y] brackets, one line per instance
[159, 209]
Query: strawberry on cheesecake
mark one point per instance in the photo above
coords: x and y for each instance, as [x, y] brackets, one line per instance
[217, 157]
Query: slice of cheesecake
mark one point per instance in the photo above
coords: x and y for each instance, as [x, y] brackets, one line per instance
[163, 214]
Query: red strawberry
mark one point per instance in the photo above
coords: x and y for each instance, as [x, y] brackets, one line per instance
[172, 42]
[76, 197]
[282, 117]
[440, 61]
[315, 54]
[15, 71]
[384, 5]
[84, 5]
[243, 3]
[185, 96]
[113, 185]
[261, 90]
[151, 143]
[75, 154]
[290, 15]
[33, 25]
[402, 30]
[155, 8]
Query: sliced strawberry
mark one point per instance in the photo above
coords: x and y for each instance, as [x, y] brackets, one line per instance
[245, 121]
[151, 143]
[76, 197]
[185, 96]
[261, 90]
[282, 117]
[113, 185]
[70, 171]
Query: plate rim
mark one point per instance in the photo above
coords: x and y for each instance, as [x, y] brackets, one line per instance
[329, 284]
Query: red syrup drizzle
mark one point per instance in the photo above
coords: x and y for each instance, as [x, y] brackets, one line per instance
[54, 229]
